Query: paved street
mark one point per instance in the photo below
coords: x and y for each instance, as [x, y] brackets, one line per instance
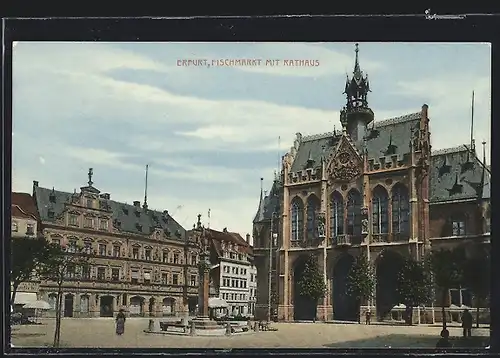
[99, 333]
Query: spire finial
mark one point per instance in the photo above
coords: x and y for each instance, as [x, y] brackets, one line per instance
[90, 174]
[357, 70]
[484, 152]
[145, 205]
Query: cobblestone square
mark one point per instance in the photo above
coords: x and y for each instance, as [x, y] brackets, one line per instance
[100, 333]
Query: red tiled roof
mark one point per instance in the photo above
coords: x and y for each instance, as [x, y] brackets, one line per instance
[23, 206]
[233, 237]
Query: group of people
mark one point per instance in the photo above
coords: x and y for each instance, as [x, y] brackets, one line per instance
[467, 319]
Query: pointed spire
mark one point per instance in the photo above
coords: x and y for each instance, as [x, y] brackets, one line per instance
[145, 205]
[357, 69]
[472, 146]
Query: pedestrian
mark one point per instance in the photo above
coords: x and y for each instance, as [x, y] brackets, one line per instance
[368, 316]
[467, 323]
[444, 341]
[120, 322]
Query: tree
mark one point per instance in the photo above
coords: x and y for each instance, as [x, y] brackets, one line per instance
[476, 277]
[58, 266]
[446, 268]
[361, 281]
[414, 285]
[27, 254]
[312, 283]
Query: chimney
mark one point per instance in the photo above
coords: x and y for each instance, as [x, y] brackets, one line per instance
[137, 203]
[248, 239]
[35, 183]
[165, 212]
[224, 230]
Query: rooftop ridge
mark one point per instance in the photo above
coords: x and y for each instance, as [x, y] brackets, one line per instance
[395, 120]
[456, 149]
[312, 137]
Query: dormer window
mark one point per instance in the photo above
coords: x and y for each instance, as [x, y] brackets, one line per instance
[125, 210]
[89, 203]
[177, 233]
[137, 213]
[138, 226]
[103, 224]
[50, 213]
[52, 197]
[73, 220]
[167, 233]
[458, 225]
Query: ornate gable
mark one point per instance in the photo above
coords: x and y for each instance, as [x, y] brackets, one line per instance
[345, 162]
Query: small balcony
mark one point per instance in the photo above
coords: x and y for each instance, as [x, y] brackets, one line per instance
[341, 240]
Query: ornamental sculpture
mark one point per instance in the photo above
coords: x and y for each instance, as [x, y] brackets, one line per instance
[344, 167]
[321, 225]
[364, 221]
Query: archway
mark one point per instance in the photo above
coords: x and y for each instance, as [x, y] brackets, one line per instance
[345, 308]
[304, 309]
[152, 307]
[388, 264]
[68, 305]
[168, 307]
[136, 306]
[106, 306]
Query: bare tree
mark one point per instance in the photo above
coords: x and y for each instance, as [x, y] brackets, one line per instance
[58, 267]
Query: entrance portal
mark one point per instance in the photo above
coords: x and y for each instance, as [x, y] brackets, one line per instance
[345, 308]
[136, 306]
[388, 265]
[304, 308]
[106, 307]
[168, 307]
[68, 305]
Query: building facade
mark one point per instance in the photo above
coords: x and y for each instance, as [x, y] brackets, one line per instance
[141, 259]
[252, 293]
[24, 223]
[232, 261]
[375, 187]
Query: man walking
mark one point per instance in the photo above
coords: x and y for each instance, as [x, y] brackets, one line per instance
[467, 323]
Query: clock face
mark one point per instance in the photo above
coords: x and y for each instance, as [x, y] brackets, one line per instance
[343, 158]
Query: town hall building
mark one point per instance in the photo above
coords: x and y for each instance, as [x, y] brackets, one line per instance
[375, 187]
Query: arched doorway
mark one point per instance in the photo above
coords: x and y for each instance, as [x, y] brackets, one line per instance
[68, 305]
[106, 306]
[304, 309]
[345, 308]
[152, 307]
[388, 264]
[168, 307]
[136, 306]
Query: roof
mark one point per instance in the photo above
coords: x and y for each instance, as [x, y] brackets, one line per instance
[23, 206]
[396, 132]
[217, 237]
[456, 174]
[268, 204]
[130, 221]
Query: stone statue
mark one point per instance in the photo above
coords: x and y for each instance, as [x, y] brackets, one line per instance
[364, 226]
[321, 226]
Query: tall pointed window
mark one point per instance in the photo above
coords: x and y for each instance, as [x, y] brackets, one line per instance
[312, 216]
[336, 215]
[297, 219]
[458, 224]
[354, 213]
[400, 210]
[380, 211]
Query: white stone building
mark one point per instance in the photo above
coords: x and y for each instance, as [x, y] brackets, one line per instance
[252, 283]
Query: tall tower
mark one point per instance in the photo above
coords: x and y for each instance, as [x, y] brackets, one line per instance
[356, 115]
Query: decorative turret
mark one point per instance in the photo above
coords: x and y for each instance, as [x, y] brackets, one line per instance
[356, 114]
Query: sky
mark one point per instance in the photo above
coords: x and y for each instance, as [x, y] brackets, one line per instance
[209, 133]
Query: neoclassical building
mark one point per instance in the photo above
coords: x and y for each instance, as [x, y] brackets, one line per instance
[141, 259]
[375, 187]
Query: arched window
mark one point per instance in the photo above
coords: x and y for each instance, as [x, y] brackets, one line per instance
[312, 212]
[380, 211]
[458, 224]
[354, 213]
[337, 215]
[400, 210]
[297, 219]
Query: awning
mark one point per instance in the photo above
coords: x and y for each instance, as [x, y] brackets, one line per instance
[40, 305]
[215, 302]
[147, 275]
[23, 298]
[135, 274]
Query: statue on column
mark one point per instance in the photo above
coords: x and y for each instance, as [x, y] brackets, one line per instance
[364, 221]
[321, 225]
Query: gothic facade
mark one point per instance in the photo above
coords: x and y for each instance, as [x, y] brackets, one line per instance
[141, 259]
[375, 187]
